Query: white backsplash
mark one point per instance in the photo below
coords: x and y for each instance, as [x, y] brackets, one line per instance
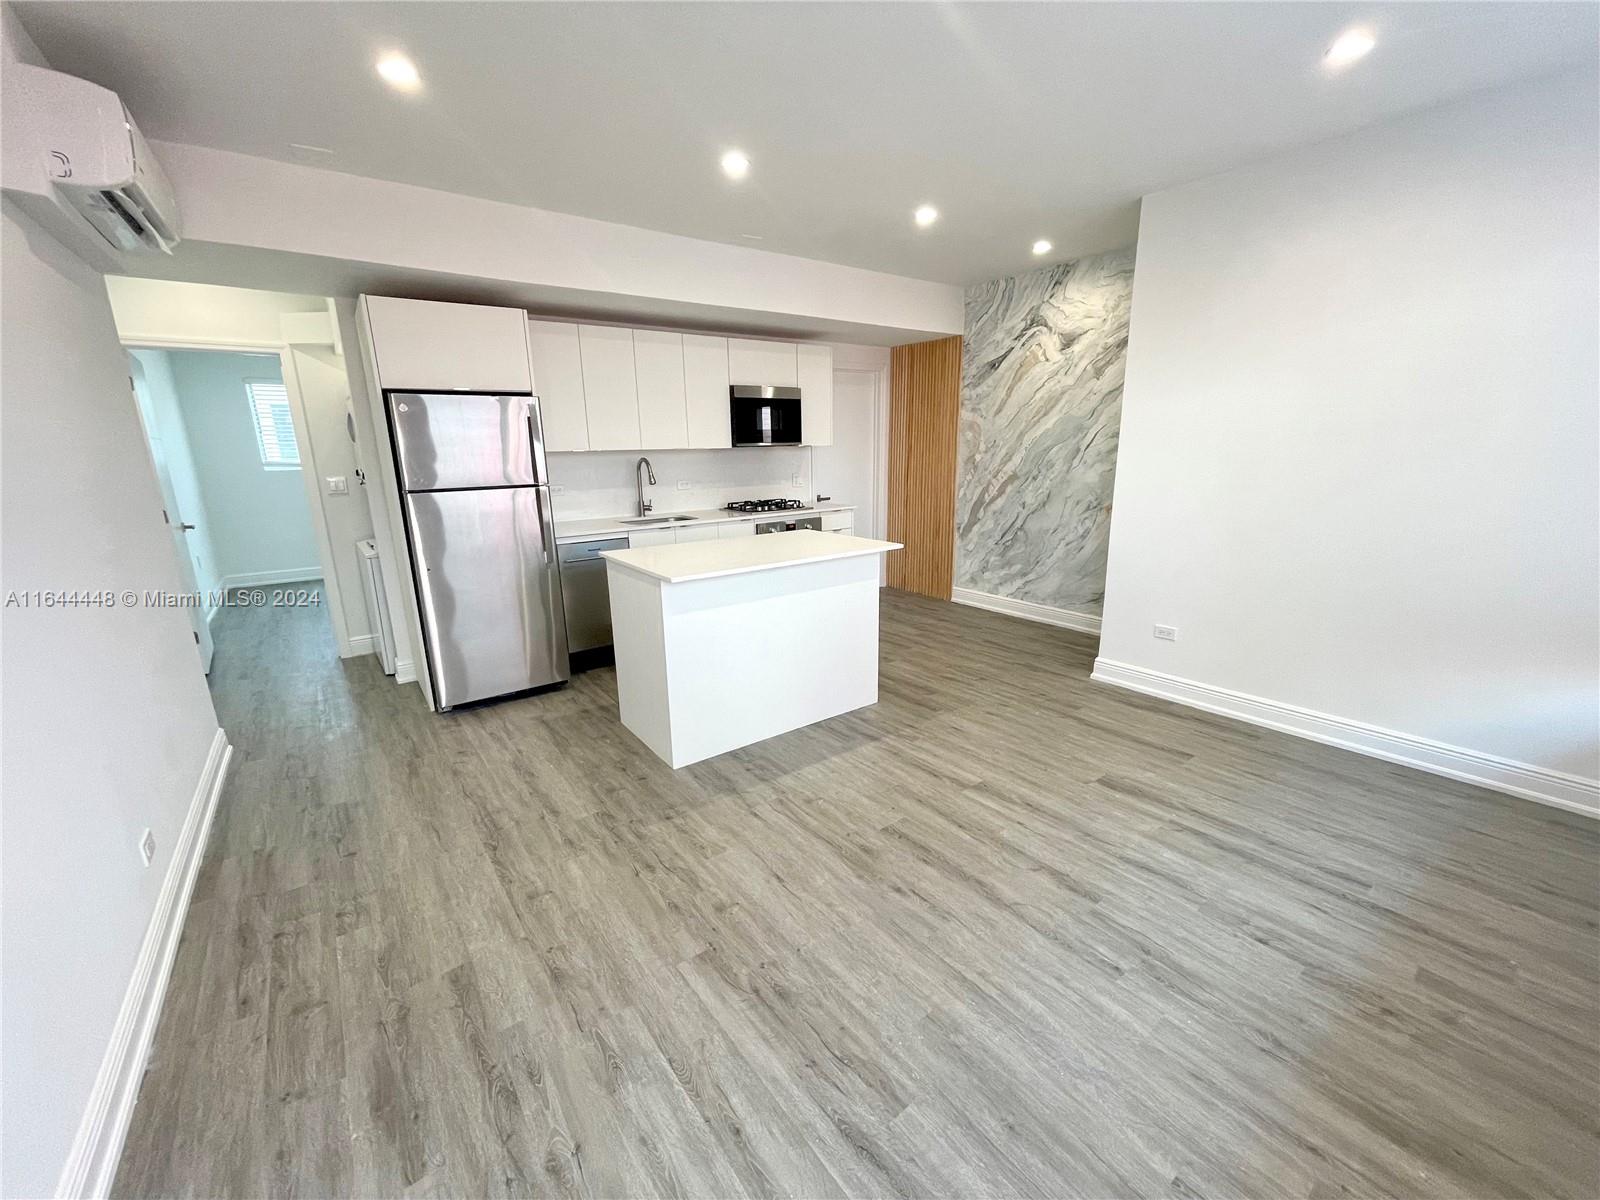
[600, 484]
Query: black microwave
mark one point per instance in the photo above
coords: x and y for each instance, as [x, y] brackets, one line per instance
[765, 416]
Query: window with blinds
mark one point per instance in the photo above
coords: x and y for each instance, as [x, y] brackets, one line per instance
[269, 410]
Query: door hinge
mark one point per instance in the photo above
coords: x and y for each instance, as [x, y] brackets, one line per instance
[196, 636]
[166, 518]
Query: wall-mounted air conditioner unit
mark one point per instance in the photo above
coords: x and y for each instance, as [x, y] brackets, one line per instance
[74, 144]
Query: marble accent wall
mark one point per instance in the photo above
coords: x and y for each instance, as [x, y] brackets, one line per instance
[1041, 398]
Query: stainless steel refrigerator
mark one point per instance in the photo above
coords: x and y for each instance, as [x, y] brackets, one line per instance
[476, 500]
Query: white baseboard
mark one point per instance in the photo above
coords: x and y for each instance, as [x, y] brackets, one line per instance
[268, 578]
[92, 1163]
[1066, 618]
[1555, 788]
[405, 671]
[362, 643]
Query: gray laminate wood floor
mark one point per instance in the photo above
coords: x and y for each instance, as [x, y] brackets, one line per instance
[1007, 933]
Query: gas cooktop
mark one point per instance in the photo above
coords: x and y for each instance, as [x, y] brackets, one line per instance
[761, 506]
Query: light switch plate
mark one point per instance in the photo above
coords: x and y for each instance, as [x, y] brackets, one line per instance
[147, 847]
[338, 485]
[1165, 633]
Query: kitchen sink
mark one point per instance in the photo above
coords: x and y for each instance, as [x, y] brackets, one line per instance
[654, 520]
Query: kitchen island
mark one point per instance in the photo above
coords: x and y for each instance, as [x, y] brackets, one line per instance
[723, 643]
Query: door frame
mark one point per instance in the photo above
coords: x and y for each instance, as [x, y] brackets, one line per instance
[309, 475]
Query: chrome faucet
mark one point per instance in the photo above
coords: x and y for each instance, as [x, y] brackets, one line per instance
[644, 505]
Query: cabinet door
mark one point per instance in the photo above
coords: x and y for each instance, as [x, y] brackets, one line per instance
[658, 369]
[762, 362]
[841, 521]
[558, 381]
[816, 394]
[610, 392]
[650, 537]
[735, 529]
[423, 345]
[696, 533]
[705, 385]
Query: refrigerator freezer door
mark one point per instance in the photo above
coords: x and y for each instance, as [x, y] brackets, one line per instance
[466, 440]
[490, 591]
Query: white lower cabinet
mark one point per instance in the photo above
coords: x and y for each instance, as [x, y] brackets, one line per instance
[696, 533]
[735, 529]
[650, 537]
[842, 521]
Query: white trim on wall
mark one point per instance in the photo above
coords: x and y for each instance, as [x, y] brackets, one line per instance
[1065, 618]
[405, 670]
[253, 579]
[363, 643]
[92, 1162]
[1571, 792]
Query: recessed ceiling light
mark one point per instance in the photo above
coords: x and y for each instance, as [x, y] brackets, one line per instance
[926, 215]
[399, 72]
[1349, 46]
[735, 165]
[1042, 247]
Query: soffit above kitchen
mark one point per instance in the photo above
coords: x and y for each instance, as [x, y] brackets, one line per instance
[1017, 122]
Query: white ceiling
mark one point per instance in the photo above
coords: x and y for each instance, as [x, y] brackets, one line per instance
[1018, 121]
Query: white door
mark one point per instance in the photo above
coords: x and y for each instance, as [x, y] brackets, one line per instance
[847, 471]
[176, 525]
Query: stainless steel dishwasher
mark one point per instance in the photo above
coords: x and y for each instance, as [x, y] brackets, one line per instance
[588, 599]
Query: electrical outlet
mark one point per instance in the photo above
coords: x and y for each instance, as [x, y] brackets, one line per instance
[1166, 633]
[147, 847]
[557, 489]
[795, 479]
[685, 484]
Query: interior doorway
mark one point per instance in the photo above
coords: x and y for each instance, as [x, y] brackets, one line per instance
[222, 433]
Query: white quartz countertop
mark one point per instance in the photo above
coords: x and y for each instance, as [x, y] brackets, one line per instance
[597, 527]
[686, 561]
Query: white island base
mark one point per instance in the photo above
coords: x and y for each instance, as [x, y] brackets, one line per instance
[720, 644]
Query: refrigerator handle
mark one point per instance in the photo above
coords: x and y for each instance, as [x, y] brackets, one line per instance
[547, 519]
[536, 441]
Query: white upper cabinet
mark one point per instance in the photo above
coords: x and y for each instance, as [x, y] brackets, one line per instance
[558, 380]
[423, 345]
[816, 394]
[658, 368]
[762, 362]
[610, 388]
[705, 385]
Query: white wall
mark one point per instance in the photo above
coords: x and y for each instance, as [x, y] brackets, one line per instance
[260, 520]
[107, 723]
[166, 311]
[1358, 457]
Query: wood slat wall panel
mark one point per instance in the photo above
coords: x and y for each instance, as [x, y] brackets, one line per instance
[924, 415]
